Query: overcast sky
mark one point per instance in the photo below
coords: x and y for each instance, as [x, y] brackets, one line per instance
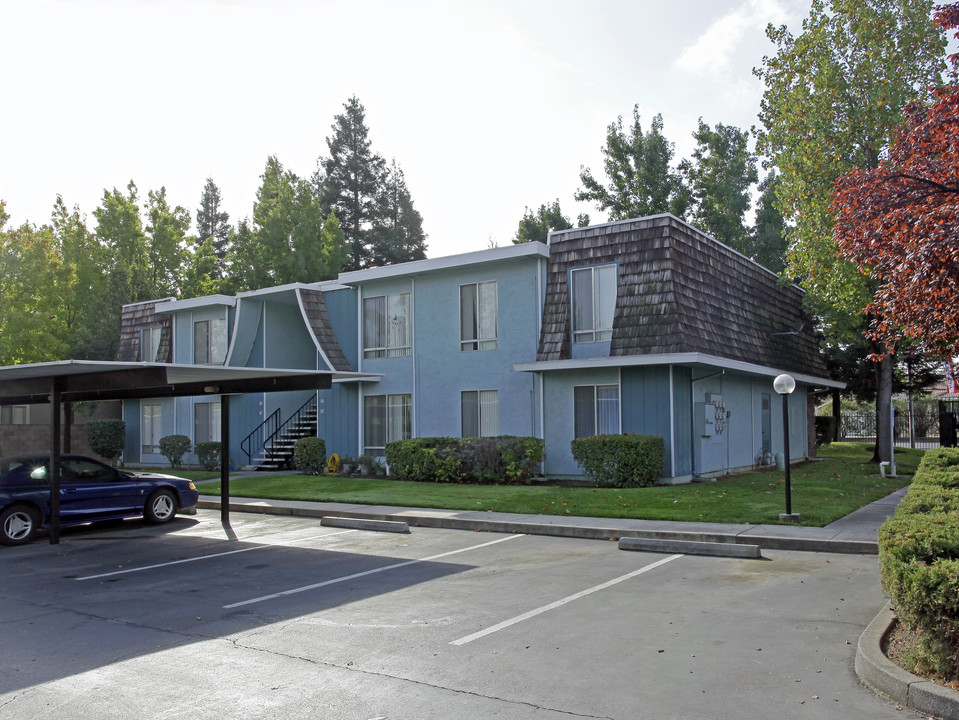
[489, 106]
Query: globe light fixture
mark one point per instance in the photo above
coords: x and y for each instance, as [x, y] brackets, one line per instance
[784, 385]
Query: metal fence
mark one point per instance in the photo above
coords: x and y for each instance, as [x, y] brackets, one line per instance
[919, 429]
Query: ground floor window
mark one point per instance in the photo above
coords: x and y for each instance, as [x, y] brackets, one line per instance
[386, 418]
[596, 410]
[206, 422]
[15, 415]
[480, 413]
[150, 427]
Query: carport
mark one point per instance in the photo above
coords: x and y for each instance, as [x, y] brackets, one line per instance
[71, 381]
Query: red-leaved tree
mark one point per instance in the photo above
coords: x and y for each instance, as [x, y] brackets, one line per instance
[900, 224]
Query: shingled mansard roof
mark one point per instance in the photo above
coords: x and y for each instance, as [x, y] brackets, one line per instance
[318, 320]
[133, 319]
[680, 291]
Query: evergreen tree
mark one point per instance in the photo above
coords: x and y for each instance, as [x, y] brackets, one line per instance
[200, 270]
[638, 168]
[349, 182]
[767, 240]
[720, 174]
[535, 227]
[213, 223]
[397, 234]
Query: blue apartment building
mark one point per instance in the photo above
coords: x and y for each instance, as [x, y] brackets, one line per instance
[642, 326]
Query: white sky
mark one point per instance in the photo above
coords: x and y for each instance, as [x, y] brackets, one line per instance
[489, 106]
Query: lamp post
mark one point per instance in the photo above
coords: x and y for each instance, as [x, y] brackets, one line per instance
[784, 385]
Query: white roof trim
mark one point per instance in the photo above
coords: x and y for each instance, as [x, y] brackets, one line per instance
[198, 302]
[671, 359]
[418, 267]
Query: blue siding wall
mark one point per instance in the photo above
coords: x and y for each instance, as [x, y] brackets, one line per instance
[341, 306]
[644, 398]
[337, 420]
[682, 422]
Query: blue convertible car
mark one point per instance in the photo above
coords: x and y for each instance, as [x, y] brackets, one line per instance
[89, 491]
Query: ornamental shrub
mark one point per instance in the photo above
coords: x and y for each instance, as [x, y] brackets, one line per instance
[107, 437]
[919, 561]
[825, 429]
[208, 453]
[495, 460]
[621, 460]
[309, 454]
[174, 447]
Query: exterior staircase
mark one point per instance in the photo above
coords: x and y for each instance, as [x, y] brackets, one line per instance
[270, 446]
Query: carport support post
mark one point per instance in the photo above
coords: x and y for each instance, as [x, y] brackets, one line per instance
[225, 460]
[55, 462]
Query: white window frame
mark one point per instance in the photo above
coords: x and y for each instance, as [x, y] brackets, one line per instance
[213, 350]
[212, 409]
[599, 427]
[394, 337]
[397, 420]
[480, 335]
[598, 327]
[150, 343]
[151, 427]
[481, 409]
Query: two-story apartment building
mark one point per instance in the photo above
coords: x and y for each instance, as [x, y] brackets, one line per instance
[645, 326]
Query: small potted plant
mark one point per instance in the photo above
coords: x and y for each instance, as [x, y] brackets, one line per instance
[347, 464]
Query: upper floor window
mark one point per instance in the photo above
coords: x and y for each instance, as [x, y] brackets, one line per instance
[480, 413]
[150, 343]
[209, 342]
[594, 303]
[595, 410]
[478, 316]
[386, 326]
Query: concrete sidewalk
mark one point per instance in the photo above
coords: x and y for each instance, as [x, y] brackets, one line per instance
[855, 533]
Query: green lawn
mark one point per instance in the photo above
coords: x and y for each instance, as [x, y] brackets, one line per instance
[822, 491]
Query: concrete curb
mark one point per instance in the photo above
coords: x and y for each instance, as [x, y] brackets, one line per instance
[688, 547]
[586, 532]
[362, 524]
[888, 679]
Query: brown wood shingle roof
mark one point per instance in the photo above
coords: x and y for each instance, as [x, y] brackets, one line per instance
[314, 307]
[680, 291]
[135, 318]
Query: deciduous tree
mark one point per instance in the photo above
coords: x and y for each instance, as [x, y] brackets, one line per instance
[899, 224]
[536, 227]
[834, 95]
[640, 177]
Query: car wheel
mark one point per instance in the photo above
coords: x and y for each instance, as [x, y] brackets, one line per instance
[161, 506]
[18, 525]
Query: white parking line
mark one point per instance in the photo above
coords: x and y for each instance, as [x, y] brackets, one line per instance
[345, 578]
[214, 555]
[559, 603]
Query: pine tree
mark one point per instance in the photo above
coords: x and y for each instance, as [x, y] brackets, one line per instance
[349, 182]
[397, 233]
[212, 222]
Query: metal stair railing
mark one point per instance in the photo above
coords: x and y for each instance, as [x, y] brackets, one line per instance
[291, 427]
[256, 440]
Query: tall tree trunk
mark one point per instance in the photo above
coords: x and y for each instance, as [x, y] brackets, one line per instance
[883, 371]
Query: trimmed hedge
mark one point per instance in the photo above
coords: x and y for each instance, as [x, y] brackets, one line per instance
[504, 460]
[621, 460]
[107, 437]
[309, 454]
[208, 453]
[174, 447]
[919, 561]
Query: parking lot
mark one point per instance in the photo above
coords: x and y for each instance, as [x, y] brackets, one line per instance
[295, 620]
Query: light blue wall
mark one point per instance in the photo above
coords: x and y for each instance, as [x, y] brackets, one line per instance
[558, 410]
[644, 398]
[338, 418]
[341, 307]
[183, 329]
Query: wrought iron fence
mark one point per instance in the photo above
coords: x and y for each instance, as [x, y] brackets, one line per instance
[920, 429]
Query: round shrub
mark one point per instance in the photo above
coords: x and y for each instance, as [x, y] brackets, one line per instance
[621, 460]
[208, 453]
[309, 454]
[174, 447]
[107, 437]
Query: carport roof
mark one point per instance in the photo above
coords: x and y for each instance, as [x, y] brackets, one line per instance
[89, 380]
